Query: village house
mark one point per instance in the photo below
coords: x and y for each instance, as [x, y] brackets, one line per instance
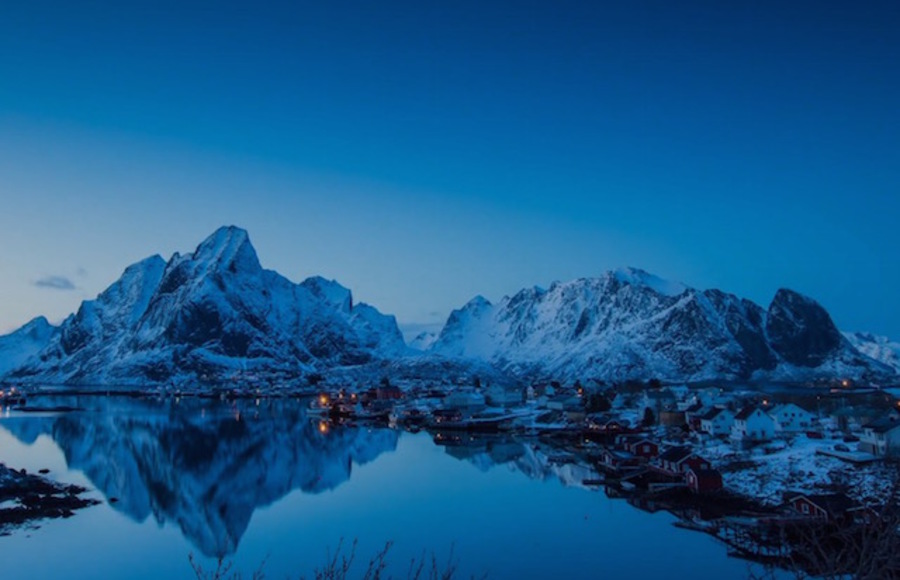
[881, 437]
[640, 446]
[607, 424]
[831, 507]
[499, 396]
[671, 418]
[717, 422]
[789, 418]
[703, 481]
[692, 415]
[709, 396]
[677, 460]
[752, 424]
[388, 393]
[617, 460]
[446, 416]
[565, 402]
[659, 399]
[464, 399]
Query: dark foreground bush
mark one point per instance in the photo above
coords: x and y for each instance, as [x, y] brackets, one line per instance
[342, 566]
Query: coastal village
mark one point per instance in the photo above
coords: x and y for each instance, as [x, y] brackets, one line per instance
[727, 460]
[765, 444]
[721, 458]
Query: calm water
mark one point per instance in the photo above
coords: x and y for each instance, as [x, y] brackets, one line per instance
[267, 483]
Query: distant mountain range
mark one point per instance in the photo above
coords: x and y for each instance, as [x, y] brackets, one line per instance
[216, 314]
[628, 324]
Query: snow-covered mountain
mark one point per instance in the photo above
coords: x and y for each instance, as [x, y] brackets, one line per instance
[628, 324]
[207, 314]
[423, 340]
[17, 347]
[880, 348]
[202, 466]
[216, 314]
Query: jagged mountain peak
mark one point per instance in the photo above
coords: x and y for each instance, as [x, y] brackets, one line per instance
[228, 247]
[478, 302]
[36, 327]
[19, 346]
[800, 330]
[638, 277]
[331, 291]
[212, 313]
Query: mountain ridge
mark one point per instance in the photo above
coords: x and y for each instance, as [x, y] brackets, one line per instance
[216, 314]
[628, 324]
[212, 312]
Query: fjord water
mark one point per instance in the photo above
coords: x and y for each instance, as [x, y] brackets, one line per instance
[263, 482]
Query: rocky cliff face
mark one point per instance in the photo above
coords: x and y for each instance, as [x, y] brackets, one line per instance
[800, 330]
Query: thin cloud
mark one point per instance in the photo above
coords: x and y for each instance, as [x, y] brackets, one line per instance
[55, 283]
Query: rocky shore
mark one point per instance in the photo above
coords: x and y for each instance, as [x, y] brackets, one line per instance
[25, 499]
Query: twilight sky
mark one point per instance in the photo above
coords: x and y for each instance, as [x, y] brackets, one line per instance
[423, 152]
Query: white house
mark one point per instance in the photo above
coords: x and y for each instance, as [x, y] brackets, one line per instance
[659, 399]
[791, 418]
[881, 437]
[565, 402]
[717, 422]
[464, 399]
[752, 424]
[502, 397]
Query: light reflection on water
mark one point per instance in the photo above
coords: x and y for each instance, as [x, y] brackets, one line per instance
[256, 483]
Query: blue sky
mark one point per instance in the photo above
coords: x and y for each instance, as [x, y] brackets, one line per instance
[422, 152]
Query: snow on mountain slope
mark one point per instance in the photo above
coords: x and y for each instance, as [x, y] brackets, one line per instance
[880, 348]
[19, 346]
[423, 340]
[210, 314]
[628, 324]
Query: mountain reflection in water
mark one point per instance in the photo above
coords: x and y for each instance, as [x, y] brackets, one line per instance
[206, 471]
[203, 465]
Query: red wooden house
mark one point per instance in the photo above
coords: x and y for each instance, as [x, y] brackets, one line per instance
[703, 481]
[616, 460]
[677, 460]
[830, 507]
[642, 447]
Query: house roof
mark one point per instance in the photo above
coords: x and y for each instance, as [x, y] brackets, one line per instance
[619, 454]
[694, 408]
[711, 414]
[676, 454]
[883, 425]
[745, 413]
[788, 406]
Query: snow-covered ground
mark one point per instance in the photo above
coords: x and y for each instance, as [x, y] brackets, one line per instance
[769, 470]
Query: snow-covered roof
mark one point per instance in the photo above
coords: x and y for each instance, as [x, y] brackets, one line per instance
[883, 425]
